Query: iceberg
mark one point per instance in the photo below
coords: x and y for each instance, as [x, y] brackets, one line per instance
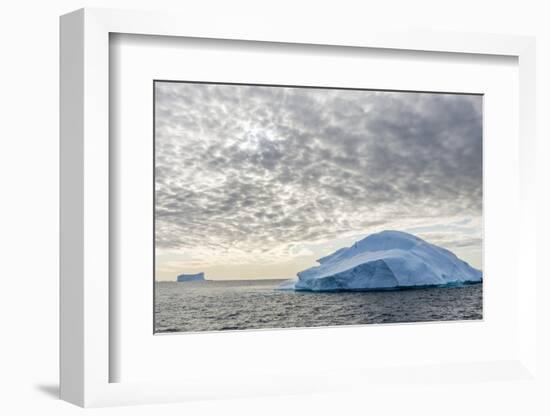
[190, 277]
[388, 260]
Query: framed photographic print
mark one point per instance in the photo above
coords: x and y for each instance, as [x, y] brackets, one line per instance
[270, 212]
[255, 182]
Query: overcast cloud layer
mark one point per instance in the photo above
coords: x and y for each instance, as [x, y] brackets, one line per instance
[249, 175]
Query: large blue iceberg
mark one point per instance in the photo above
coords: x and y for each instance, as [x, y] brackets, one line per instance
[191, 277]
[385, 261]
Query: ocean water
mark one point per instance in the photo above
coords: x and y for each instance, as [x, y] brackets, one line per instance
[255, 304]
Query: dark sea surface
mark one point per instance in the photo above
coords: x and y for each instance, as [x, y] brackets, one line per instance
[255, 304]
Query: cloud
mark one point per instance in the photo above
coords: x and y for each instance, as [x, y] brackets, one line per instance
[253, 171]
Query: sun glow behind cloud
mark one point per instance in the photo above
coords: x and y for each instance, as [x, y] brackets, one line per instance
[259, 182]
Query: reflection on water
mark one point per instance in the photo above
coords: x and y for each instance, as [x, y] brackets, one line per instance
[218, 305]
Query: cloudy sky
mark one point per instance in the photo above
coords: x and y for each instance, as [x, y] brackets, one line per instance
[259, 182]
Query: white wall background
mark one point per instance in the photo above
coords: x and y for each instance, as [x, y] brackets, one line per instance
[29, 206]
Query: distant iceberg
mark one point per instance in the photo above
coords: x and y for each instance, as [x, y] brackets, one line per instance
[385, 261]
[190, 277]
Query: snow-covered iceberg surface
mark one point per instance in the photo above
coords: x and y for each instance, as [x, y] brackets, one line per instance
[190, 277]
[384, 261]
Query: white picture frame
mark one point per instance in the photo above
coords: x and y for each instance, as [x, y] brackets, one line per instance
[85, 205]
